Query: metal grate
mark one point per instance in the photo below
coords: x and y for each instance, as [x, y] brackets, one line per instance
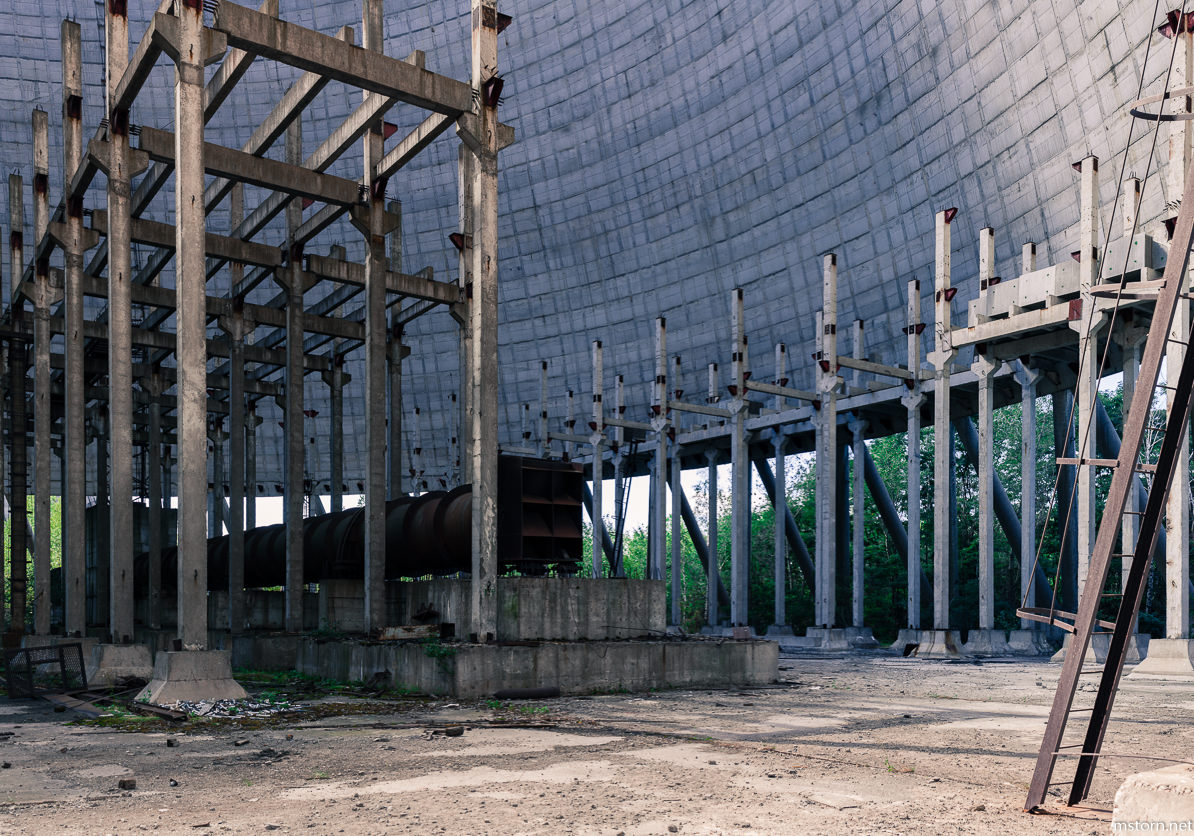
[31, 671]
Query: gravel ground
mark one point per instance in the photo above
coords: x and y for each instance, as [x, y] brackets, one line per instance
[860, 744]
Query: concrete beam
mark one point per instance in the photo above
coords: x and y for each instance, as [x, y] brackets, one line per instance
[403, 284]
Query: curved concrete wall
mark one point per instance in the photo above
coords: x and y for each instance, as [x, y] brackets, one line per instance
[670, 151]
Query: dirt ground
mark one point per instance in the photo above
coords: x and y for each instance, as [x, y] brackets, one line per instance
[865, 744]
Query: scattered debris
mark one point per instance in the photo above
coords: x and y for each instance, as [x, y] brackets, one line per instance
[248, 707]
[443, 731]
[173, 783]
[127, 784]
[240, 742]
[171, 742]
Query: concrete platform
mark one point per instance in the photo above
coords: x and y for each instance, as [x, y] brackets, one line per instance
[191, 675]
[479, 670]
[1163, 798]
[111, 663]
[986, 643]
[1167, 659]
[1096, 652]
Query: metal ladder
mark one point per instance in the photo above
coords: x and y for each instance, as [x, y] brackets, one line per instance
[1085, 622]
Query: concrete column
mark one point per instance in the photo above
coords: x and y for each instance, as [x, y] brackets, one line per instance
[335, 378]
[913, 399]
[942, 358]
[780, 619]
[98, 432]
[236, 441]
[1088, 327]
[154, 387]
[677, 567]
[616, 569]
[985, 368]
[714, 569]
[659, 424]
[466, 162]
[18, 434]
[375, 353]
[217, 436]
[858, 426]
[74, 488]
[395, 354]
[120, 333]
[295, 444]
[191, 351]
[42, 408]
[483, 314]
[739, 468]
[1131, 338]
[1028, 377]
[598, 442]
[252, 422]
[827, 457]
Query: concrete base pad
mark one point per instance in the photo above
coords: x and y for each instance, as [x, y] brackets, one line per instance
[191, 675]
[1096, 653]
[906, 638]
[986, 643]
[1163, 797]
[828, 638]
[479, 670]
[745, 632]
[110, 663]
[1028, 643]
[1167, 659]
[779, 631]
[939, 644]
[861, 638]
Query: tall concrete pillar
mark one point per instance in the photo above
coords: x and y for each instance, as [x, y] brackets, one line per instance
[1088, 327]
[42, 408]
[154, 387]
[18, 387]
[74, 488]
[235, 327]
[466, 162]
[120, 332]
[659, 425]
[677, 556]
[739, 468]
[780, 619]
[597, 438]
[335, 378]
[714, 569]
[396, 352]
[483, 315]
[1027, 377]
[827, 457]
[98, 432]
[858, 426]
[215, 495]
[985, 640]
[191, 351]
[295, 444]
[252, 422]
[913, 399]
[942, 359]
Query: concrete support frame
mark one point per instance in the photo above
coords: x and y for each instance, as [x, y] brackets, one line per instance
[827, 457]
[375, 352]
[120, 333]
[714, 569]
[913, 400]
[153, 387]
[75, 489]
[677, 555]
[739, 468]
[942, 359]
[42, 410]
[1027, 376]
[236, 328]
[191, 348]
[483, 310]
[396, 352]
[336, 378]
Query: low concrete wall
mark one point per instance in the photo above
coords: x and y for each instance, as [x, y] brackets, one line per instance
[541, 609]
[472, 670]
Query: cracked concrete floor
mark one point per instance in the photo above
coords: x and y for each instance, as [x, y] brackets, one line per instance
[860, 744]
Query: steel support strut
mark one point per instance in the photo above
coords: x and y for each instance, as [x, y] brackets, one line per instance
[1135, 422]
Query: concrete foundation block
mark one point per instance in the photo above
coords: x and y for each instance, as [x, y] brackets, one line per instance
[111, 663]
[829, 638]
[861, 638]
[986, 643]
[939, 644]
[1167, 659]
[192, 675]
[907, 638]
[1096, 652]
[779, 631]
[1028, 643]
[1163, 798]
